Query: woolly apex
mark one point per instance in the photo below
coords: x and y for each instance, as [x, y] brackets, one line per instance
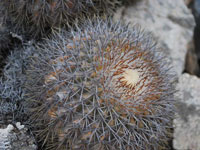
[100, 86]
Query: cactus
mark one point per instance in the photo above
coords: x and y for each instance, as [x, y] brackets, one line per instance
[36, 18]
[8, 40]
[100, 86]
[8, 112]
[11, 91]
[4, 40]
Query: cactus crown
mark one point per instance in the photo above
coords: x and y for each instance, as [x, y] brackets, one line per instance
[100, 86]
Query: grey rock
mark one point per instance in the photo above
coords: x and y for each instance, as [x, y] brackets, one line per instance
[16, 138]
[170, 22]
[187, 121]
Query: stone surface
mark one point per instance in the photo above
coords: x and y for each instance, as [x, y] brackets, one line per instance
[16, 138]
[4, 133]
[170, 22]
[187, 122]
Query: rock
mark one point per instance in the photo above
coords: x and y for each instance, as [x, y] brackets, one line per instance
[186, 123]
[16, 138]
[4, 133]
[170, 22]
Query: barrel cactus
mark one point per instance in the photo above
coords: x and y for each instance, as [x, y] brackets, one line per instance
[100, 86]
[37, 17]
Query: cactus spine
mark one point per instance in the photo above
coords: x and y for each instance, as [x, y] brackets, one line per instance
[36, 18]
[100, 86]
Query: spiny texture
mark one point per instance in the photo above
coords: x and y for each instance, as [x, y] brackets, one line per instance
[37, 17]
[103, 86]
[5, 40]
[11, 93]
[8, 39]
[5, 44]
[7, 110]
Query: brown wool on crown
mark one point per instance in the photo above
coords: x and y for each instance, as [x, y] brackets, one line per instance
[101, 86]
[131, 77]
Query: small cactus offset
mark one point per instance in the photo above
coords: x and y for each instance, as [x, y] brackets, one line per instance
[37, 17]
[11, 91]
[102, 86]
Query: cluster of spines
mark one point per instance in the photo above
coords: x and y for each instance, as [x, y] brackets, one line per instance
[38, 17]
[85, 92]
[11, 90]
[81, 94]
[4, 40]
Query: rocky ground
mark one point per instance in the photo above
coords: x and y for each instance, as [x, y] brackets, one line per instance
[16, 137]
[175, 25]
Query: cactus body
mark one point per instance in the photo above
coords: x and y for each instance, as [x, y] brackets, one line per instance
[100, 86]
[5, 43]
[5, 40]
[37, 17]
[11, 91]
